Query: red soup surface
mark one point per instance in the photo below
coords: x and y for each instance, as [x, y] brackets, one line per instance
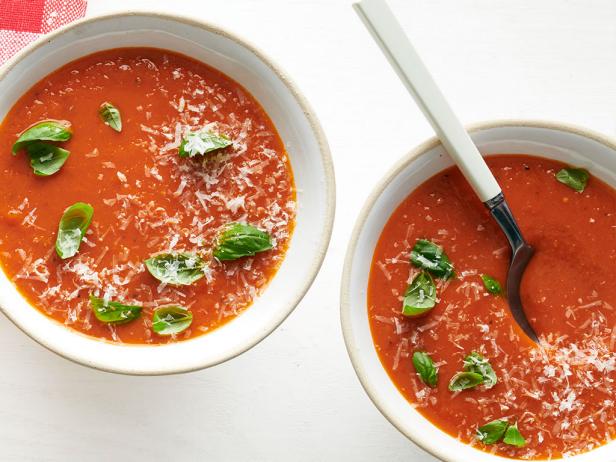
[146, 198]
[561, 395]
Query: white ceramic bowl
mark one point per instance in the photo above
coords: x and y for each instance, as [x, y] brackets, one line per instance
[298, 128]
[568, 144]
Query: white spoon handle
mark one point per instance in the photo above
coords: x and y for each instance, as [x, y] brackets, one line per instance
[394, 43]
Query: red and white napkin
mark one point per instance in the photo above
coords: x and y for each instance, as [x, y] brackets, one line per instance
[22, 21]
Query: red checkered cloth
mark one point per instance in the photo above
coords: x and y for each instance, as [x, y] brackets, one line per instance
[22, 21]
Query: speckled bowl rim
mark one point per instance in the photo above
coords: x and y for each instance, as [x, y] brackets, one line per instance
[433, 448]
[324, 151]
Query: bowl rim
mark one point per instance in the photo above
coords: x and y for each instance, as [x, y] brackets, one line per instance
[353, 349]
[329, 183]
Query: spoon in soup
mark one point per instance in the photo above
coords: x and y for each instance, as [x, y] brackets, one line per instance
[394, 43]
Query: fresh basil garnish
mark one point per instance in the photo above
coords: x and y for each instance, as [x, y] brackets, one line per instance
[47, 130]
[425, 368]
[575, 178]
[513, 437]
[169, 320]
[491, 284]
[431, 257]
[492, 432]
[176, 268]
[500, 429]
[420, 296]
[464, 380]
[113, 312]
[476, 363]
[202, 142]
[111, 116]
[73, 226]
[46, 159]
[238, 240]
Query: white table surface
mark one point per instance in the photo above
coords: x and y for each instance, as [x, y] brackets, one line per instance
[295, 396]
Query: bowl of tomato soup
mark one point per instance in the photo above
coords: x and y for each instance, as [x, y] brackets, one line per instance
[424, 311]
[168, 194]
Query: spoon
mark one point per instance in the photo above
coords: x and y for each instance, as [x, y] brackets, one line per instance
[394, 43]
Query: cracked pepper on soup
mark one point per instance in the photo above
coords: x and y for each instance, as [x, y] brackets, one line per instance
[148, 199]
[443, 330]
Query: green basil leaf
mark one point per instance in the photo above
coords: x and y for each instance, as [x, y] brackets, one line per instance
[46, 159]
[420, 296]
[113, 312]
[491, 284]
[513, 437]
[201, 143]
[431, 257]
[111, 116]
[239, 240]
[464, 380]
[475, 362]
[425, 368]
[492, 432]
[73, 226]
[176, 268]
[575, 178]
[47, 130]
[169, 320]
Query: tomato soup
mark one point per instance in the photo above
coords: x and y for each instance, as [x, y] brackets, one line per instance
[170, 157]
[513, 399]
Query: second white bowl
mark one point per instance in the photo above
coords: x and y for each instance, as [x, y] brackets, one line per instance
[571, 145]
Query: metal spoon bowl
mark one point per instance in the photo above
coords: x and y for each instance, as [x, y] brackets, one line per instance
[521, 253]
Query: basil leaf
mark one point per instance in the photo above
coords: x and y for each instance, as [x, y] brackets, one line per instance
[73, 226]
[47, 130]
[425, 368]
[575, 178]
[420, 296]
[491, 284]
[113, 312]
[431, 257]
[513, 437]
[464, 380]
[176, 268]
[111, 116]
[478, 364]
[46, 159]
[201, 143]
[169, 320]
[239, 240]
[492, 432]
